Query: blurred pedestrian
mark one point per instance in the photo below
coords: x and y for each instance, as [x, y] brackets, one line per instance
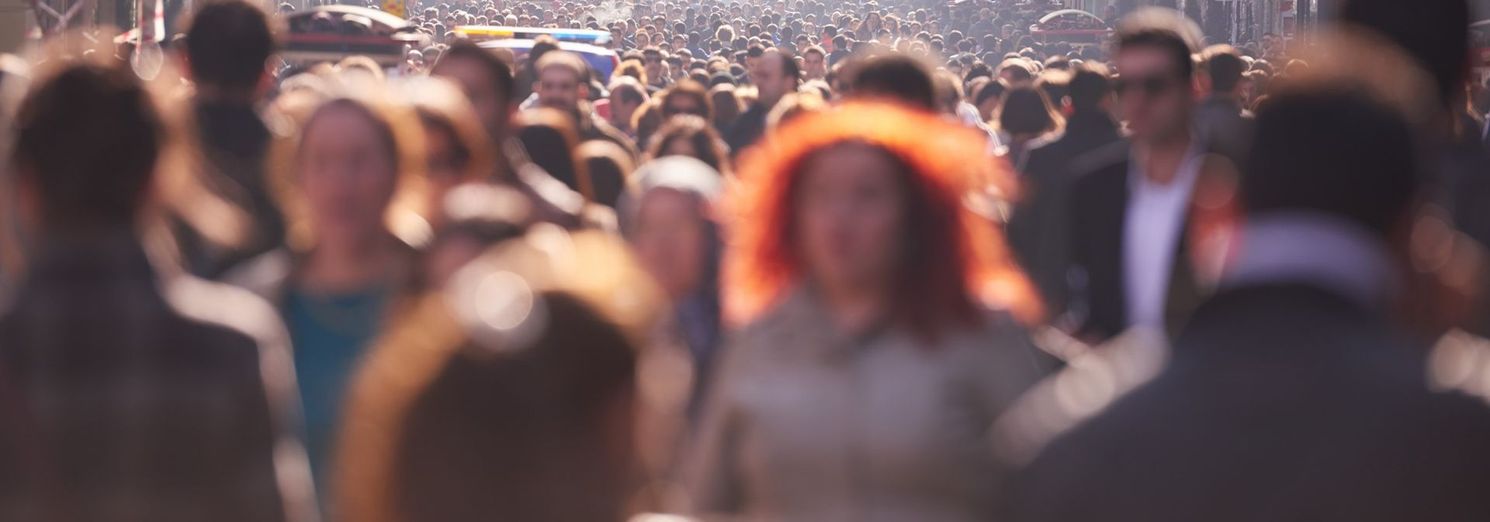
[860, 275]
[130, 392]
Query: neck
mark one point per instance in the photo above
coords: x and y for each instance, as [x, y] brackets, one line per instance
[1162, 157]
[348, 265]
[853, 309]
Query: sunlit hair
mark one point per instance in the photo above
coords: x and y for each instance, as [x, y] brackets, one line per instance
[706, 142]
[960, 263]
[441, 104]
[398, 126]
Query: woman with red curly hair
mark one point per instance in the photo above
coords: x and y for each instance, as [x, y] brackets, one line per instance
[879, 337]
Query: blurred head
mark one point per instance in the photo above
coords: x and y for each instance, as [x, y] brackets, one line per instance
[896, 77]
[608, 166]
[87, 141]
[862, 199]
[793, 106]
[1090, 90]
[1223, 70]
[626, 97]
[670, 224]
[228, 47]
[775, 75]
[814, 63]
[686, 98]
[456, 145]
[354, 157]
[495, 396]
[652, 62]
[485, 79]
[563, 81]
[1026, 113]
[551, 141]
[690, 136]
[726, 106]
[1154, 87]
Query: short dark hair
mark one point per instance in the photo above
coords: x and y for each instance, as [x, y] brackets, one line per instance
[229, 44]
[89, 138]
[1313, 144]
[899, 77]
[1164, 40]
[496, 68]
[1088, 88]
[1026, 110]
[1225, 67]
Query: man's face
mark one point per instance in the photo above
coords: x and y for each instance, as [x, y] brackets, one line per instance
[771, 80]
[815, 65]
[559, 88]
[1154, 97]
[486, 98]
[621, 111]
[652, 62]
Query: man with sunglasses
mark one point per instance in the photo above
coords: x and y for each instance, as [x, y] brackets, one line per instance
[1132, 199]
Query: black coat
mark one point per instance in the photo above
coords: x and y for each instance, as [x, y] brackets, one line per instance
[1098, 277]
[1039, 229]
[1282, 403]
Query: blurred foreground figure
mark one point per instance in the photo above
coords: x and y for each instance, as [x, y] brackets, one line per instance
[507, 394]
[872, 365]
[1293, 394]
[127, 393]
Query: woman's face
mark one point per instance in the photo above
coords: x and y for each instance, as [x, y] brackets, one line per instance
[347, 174]
[669, 240]
[850, 217]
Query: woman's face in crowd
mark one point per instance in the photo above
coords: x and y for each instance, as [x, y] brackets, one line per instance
[850, 217]
[347, 174]
[669, 240]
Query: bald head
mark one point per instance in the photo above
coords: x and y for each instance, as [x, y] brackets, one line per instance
[775, 75]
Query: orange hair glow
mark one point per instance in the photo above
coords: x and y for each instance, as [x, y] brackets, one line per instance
[960, 264]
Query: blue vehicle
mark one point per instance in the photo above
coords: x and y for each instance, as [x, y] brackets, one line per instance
[601, 60]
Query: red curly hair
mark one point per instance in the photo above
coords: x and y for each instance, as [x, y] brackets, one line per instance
[961, 264]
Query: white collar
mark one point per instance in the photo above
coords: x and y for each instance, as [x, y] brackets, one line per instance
[1184, 177]
[1312, 248]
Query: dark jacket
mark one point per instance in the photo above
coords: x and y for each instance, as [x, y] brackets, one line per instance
[235, 142]
[748, 129]
[1097, 282]
[131, 396]
[1282, 403]
[1224, 128]
[1039, 229]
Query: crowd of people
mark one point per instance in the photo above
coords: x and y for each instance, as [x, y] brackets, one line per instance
[792, 260]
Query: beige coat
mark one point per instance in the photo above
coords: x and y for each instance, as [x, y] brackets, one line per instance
[808, 424]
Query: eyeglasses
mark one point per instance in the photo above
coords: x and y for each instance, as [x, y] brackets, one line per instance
[1149, 85]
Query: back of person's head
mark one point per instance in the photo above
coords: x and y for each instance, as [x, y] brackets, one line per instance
[499, 72]
[1435, 33]
[504, 401]
[1089, 87]
[1331, 150]
[609, 166]
[726, 105]
[228, 46]
[1224, 66]
[1056, 84]
[897, 77]
[551, 139]
[88, 138]
[1026, 111]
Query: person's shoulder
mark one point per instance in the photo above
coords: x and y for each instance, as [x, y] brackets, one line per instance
[1112, 157]
[227, 318]
[264, 275]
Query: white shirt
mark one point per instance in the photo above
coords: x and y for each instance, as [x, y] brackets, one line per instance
[1315, 249]
[1151, 234]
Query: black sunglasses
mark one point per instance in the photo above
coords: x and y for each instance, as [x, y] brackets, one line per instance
[1150, 85]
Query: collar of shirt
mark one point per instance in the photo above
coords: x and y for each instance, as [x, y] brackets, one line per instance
[1316, 249]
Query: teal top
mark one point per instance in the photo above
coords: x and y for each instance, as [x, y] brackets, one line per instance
[329, 333]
